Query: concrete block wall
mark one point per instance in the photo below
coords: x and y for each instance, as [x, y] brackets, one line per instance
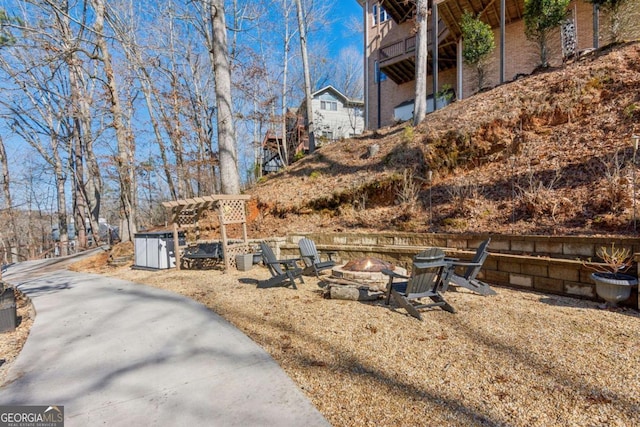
[549, 264]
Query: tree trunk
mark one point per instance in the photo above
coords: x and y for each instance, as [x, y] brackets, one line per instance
[201, 123]
[229, 176]
[420, 103]
[60, 175]
[283, 149]
[79, 201]
[307, 77]
[123, 159]
[6, 192]
[147, 89]
[88, 193]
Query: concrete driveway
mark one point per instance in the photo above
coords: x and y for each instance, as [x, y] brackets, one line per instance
[118, 353]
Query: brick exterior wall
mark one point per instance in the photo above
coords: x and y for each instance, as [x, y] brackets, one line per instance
[521, 58]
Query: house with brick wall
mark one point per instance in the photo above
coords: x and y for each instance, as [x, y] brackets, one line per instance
[390, 42]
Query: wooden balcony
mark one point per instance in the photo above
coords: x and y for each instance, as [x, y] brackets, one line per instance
[397, 60]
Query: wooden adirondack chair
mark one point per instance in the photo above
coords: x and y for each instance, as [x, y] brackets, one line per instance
[312, 259]
[468, 279]
[429, 274]
[283, 272]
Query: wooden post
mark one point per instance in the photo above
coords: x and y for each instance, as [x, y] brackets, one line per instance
[176, 242]
[434, 54]
[223, 232]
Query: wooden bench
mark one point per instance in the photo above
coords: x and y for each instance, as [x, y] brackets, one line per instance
[202, 255]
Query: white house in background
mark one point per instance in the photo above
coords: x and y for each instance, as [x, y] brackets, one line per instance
[336, 116]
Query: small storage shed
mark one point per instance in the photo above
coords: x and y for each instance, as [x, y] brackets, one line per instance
[154, 250]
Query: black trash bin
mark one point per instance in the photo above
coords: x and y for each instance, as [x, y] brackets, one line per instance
[8, 316]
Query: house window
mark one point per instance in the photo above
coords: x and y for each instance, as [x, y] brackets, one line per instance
[384, 16]
[328, 135]
[329, 105]
[379, 14]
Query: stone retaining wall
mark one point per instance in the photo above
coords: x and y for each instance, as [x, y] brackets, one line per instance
[540, 263]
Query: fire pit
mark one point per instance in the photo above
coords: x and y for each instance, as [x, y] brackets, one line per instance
[367, 271]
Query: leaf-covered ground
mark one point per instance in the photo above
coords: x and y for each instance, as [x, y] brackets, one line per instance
[550, 153]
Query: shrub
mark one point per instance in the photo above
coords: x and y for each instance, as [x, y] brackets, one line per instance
[540, 18]
[478, 45]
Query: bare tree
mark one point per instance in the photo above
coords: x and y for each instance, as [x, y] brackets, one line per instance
[307, 75]
[39, 122]
[155, 103]
[6, 192]
[124, 160]
[37, 106]
[5, 39]
[88, 185]
[349, 80]
[287, 38]
[199, 114]
[420, 103]
[229, 176]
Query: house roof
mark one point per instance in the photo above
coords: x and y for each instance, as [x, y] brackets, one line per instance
[337, 93]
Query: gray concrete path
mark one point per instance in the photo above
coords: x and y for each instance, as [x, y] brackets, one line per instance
[116, 353]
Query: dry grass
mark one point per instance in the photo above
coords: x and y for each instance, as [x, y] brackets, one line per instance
[534, 156]
[519, 359]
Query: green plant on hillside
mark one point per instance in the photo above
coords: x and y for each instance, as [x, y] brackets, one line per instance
[299, 155]
[541, 17]
[631, 109]
[315, 175]
[455, 223]
[408, 134]
[478, 44]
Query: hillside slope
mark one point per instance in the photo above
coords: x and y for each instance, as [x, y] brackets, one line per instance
[549, 153]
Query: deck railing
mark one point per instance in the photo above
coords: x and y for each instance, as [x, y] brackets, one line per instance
[408, 45]
[399, 48]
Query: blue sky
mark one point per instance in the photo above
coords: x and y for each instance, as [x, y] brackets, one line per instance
[345, 12]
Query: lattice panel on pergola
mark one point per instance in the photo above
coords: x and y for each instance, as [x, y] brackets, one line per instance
[232, 211]
[187, 218]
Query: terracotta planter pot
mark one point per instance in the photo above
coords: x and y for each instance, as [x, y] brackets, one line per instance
[613, 287]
